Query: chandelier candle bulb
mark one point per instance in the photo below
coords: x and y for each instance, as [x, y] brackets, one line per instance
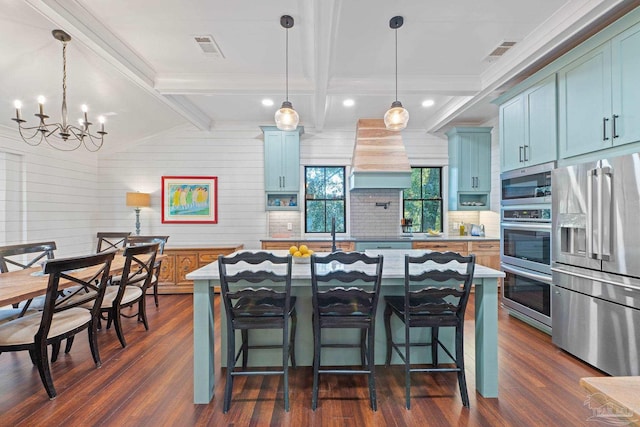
[18, 106]
[41, 100]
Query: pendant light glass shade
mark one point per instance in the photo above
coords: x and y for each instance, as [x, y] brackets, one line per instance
[286, 117]
[396, 117]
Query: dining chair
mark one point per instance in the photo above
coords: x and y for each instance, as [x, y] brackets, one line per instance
[134, 282]
[337, 307]
[436, 292]
[247, 308]
[22, 256]
[111, 240]
[162, 241]
[60, 319]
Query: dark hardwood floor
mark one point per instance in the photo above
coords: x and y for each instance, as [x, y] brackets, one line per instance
[151, 383]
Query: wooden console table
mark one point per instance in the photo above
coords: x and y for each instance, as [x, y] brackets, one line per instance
[180, 261]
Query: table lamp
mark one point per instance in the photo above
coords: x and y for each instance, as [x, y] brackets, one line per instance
[138, 200]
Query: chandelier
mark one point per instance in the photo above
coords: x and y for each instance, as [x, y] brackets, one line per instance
[396, 117]
[286, 117]
[61, 136]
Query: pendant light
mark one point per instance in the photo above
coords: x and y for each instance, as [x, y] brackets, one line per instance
[286, 117]
[396, 117]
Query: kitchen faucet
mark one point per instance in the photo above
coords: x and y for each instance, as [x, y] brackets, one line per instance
[333, 235]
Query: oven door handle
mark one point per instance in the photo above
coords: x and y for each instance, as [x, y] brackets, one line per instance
[533, 226]
[540, 277]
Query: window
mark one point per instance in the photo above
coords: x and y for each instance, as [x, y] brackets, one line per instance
[422, 203]
[324, 198]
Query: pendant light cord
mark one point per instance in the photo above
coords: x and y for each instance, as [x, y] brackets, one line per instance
[287, 64]
[396, 34]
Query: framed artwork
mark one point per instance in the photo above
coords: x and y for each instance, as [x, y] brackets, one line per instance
[190, 199]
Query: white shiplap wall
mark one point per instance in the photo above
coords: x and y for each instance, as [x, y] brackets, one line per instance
[48, 195]
[235, 157]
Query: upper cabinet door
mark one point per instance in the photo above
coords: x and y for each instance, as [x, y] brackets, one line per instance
[625, 54]
[541, 123]
[584, 101]
[290, 161]
[512, 133]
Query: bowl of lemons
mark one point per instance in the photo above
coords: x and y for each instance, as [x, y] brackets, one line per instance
[301, 254]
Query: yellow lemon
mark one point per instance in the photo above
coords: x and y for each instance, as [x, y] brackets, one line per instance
[310, 252]
[306, 255]
[303, 249]
[293, 249]
[297, 253]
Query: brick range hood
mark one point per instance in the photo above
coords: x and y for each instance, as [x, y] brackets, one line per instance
[379, 158]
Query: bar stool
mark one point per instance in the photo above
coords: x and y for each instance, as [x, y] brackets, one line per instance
[340, 308]
[263, 308]
[426, 306]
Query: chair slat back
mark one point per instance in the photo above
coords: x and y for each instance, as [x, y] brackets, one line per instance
[138, 268]
[92, 287]
[141, 240]
[111, 240]
[25, 255]
[255, 268]
[351, 269]
[438, 284]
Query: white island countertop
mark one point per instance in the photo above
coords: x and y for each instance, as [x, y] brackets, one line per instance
[392, 268]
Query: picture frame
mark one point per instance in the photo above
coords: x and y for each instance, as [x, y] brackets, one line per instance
[190, 199]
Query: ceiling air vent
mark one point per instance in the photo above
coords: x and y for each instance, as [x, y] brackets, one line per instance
[500, 50]
[208, 45]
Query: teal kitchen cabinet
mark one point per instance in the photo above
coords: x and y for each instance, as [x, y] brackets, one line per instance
[528, 131]
[625, 76]
[599, 104]
[281, 159]
[469, 168]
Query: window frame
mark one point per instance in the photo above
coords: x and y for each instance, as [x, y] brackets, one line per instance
[422, 199]
[327, 228]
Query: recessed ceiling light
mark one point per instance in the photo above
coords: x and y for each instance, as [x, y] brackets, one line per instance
[267, 102]
[348, 102]
[428, 103]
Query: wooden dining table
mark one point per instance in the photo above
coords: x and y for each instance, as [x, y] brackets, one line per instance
[21, 285]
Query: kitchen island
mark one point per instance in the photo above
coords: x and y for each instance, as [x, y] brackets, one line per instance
[205, 278]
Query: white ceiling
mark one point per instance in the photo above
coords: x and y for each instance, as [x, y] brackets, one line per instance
[137, 63]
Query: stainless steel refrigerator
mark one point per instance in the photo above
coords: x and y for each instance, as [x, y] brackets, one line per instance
[596, 262]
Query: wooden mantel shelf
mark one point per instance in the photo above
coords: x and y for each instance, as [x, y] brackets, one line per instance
[614, 398]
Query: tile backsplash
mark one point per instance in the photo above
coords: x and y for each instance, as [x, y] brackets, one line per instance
[375, 213]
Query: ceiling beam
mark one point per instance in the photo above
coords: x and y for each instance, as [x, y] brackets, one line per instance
[89, 30]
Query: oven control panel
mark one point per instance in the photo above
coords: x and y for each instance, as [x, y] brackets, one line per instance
[538, 215]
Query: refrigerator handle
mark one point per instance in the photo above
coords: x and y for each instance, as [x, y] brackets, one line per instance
[606, 186]
[591, 175]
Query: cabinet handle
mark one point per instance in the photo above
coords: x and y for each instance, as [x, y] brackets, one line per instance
[604, 128]
[613, 126]
[520, 156]
[526, 158]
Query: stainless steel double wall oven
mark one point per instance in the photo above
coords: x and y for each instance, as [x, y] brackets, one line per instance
[525, 243]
